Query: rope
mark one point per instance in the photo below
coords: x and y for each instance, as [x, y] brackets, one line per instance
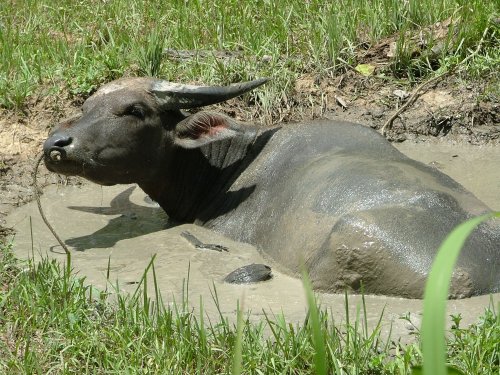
[42, 214]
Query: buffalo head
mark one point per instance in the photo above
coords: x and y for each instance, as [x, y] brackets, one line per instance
[128, 128]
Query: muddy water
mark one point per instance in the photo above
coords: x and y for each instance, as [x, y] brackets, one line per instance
[477, 168]
[118, 223]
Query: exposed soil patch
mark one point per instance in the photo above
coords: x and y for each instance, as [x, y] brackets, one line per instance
[451, 110]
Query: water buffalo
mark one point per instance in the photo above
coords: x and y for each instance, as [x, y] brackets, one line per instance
[333, 196]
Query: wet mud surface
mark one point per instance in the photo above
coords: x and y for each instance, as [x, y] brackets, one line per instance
[120, 225]
[477, 168]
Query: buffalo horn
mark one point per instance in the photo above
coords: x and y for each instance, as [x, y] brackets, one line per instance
[179, 96]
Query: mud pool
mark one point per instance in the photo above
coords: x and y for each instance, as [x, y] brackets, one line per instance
[118, 223]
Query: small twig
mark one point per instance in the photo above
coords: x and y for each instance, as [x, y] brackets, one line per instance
[200, 245]
[413, 97]
[416, 93]
[346, 64]
[37, 196]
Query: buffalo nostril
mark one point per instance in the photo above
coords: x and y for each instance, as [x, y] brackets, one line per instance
[61, 141]
[54, 147]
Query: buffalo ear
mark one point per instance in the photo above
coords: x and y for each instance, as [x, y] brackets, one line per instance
[203, 128]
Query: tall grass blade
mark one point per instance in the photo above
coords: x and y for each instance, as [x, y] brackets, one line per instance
[158, 298]
[435, 296]
[32, 243]
[318, 340]
[238, 345]
[347, 319]
[144, 275]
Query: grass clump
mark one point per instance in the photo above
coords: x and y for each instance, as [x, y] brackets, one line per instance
[475, 350]
[53, 322]
[77, 46]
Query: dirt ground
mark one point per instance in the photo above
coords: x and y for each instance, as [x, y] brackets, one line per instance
[450, 110]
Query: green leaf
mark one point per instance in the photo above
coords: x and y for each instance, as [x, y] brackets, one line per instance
[365, 69]
[436, 294]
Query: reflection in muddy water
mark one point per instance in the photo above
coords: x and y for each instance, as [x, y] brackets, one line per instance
[120, 224]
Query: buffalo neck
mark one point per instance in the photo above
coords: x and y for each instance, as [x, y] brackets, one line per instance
[196, 180]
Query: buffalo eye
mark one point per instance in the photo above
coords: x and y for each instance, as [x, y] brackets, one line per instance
[136, 111]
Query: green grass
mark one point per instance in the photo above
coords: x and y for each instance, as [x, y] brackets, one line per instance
[53, 322]
[76, 46]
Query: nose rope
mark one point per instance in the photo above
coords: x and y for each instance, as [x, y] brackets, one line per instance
[42, 214]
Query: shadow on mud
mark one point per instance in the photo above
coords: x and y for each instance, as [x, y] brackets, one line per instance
[134, 221]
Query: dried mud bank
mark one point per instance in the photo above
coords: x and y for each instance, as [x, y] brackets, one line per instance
[450, 109]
